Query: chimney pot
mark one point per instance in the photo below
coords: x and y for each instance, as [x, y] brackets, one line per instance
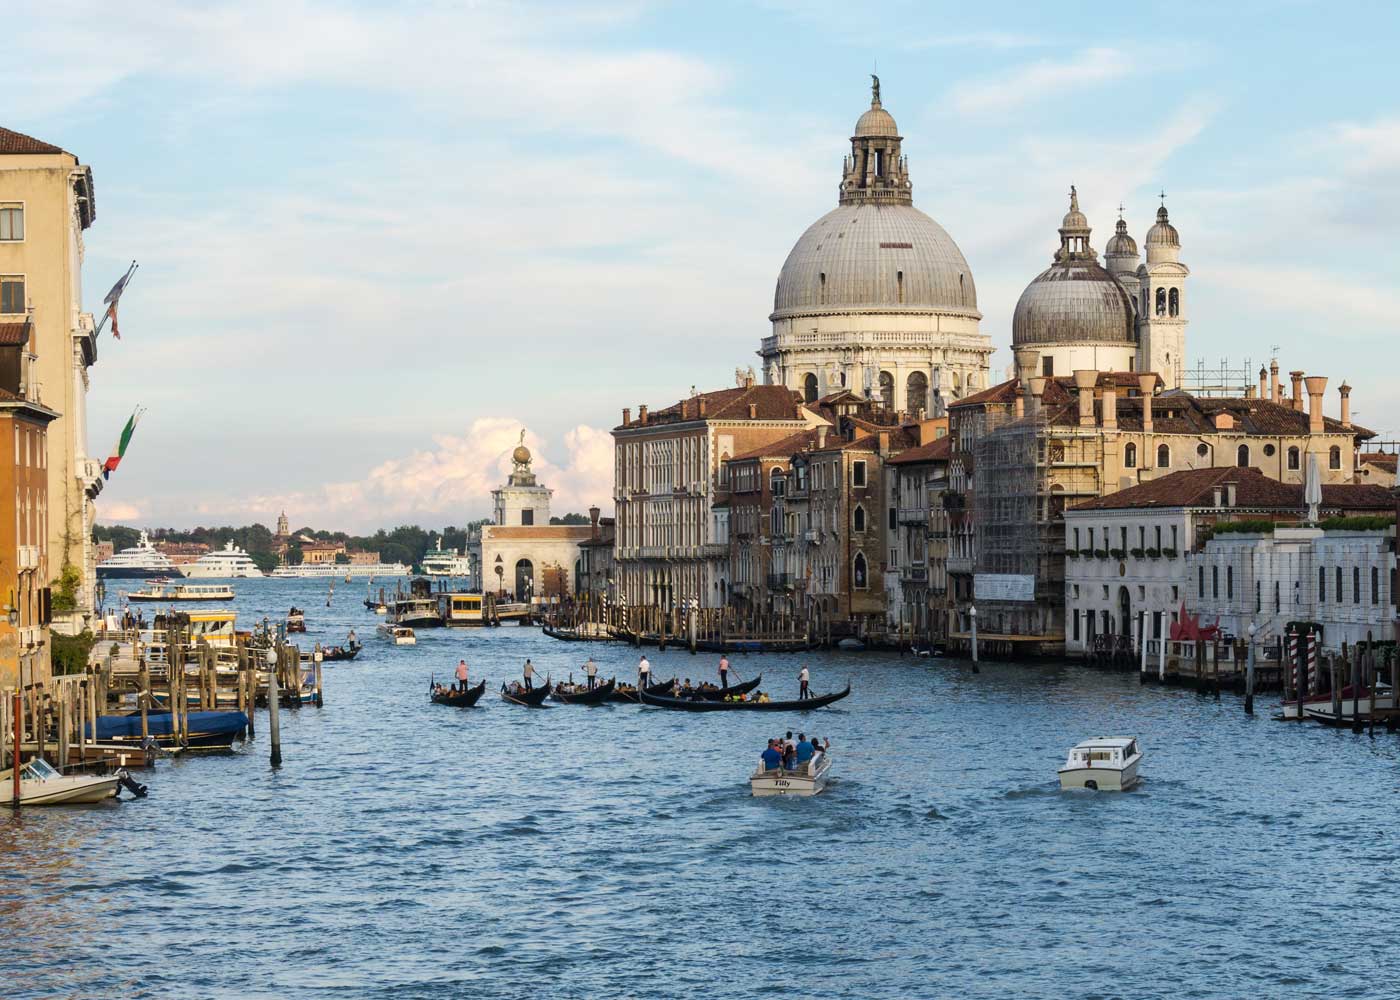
[626, 415]
[1275, 390]
[753, 411]
[1344, 391]
[1147, 384]
[701, 405]
[593, 513]
[1297, 378]
[1317, 387]
[821, 436]
[1110, 407]
[642, 414]
[1263, 382]
[1084, 380]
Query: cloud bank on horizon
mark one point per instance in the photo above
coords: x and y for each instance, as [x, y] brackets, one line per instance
[362, 228]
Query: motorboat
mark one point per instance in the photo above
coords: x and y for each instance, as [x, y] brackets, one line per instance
[227, 563]
[296, 620]
[1106, 764]
[140, 562]
[415, 612]
[183, 592]
[41, 785]
[400, 635]
[808, 778]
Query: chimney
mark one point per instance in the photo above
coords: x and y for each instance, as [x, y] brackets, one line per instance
[1274, 390]
[1037, 392]
[685, 409]
[1297, 378]
[1344, 391]
[1317, 385]
[1229, 494]
[702, 406]
[1263, 382]
[1084, 381]
[642, 414]
[1018, 405]
[1217, 494]
[1146, 385]
[1110, 407]
[1027, 358]
[626, 415]
[821, 436]
[883, 437]
[593, 513]
[753, 411]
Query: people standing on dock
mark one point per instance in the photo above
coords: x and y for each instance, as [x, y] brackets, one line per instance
[529, 675]
[591, 669]
[723, 671]
[643, 673]
[462, 675]
[803, 678]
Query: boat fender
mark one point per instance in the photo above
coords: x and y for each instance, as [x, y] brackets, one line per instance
[131, 785]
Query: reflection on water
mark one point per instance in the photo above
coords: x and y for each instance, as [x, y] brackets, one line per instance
[411, 850]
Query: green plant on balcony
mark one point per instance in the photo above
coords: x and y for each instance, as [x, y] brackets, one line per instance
[1137, 553]
[1087, 553]
[1153, 553]
[1117, 553]
[1101, 553]
[1071, 554]
[1170, 553]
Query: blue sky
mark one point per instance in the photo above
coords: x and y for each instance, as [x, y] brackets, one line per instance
[376, 240]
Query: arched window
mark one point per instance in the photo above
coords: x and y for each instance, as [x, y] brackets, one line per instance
[858, 571]
[1294, 459]
[1356, 585]
[1334, 457]
[777, 483]
[1242, 456]
[1321, 584]
[1164, 457]
[858, 518]
[887, 389]
[916, 392]
[1129, 455]
[1161, 302]
[957, 386]
[809, 387]
[1174, 302]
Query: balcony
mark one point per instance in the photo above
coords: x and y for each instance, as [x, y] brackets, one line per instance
[913, 515]
[779, 581]
[914, 574]
[812, 536]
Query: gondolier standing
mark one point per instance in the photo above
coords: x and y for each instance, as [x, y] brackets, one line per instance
[462, 675]
[643, 674]
[591, 669]
[529, 676]
[804, 678]
[723, 671]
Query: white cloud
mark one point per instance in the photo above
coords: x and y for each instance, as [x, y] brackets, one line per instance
[119, 513]
[1038, 81]
[974, 40]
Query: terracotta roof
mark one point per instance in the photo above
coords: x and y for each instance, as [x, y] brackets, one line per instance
[771, 402]
[935, 451]
[784, 447]
[1253, 489]
[540, 532]
[14, 334]
[18, 142]
[1380, 460]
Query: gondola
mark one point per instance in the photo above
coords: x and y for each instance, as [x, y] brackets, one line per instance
[631, 696]
[335, 654]
[530, 699]
[701, 705]
[719, 694]
[458, 699]
[597, 696]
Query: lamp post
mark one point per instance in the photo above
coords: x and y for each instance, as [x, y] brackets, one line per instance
[1249, 674]
[273, 700]
[972, 615]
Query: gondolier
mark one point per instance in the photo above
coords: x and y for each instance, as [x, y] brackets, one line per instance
[723, 671]
[462, 675]
[529, 676]
[803, 678]
[643, 673]
[591, 669]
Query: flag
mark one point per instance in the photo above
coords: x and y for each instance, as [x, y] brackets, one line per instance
[113, 297]
[119, 452]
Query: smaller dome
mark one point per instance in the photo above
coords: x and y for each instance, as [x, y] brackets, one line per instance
[1163, 233]
[876, 122]
[1120, 244]
[521, 455]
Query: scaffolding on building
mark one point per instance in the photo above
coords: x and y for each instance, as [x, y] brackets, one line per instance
[1226, 381]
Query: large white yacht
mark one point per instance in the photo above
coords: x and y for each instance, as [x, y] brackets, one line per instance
[227, 563]
[140, 562]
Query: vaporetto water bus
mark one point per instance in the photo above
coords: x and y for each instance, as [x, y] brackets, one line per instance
[340, 569]
[183, 592]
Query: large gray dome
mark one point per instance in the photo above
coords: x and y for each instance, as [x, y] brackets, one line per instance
[853, 257]
[1073, 301]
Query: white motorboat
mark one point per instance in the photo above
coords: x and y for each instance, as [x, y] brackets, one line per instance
[805, 779]
[230, 562]
[401, 635]
[1107, 764]
[41, 785]
[140, 562]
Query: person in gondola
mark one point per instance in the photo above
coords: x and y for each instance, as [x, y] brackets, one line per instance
[772, 757]
[643, 673]
[529, 675]
[803, 679]
[350, 639]
[462, 674]
[591, 669]
[723, 671]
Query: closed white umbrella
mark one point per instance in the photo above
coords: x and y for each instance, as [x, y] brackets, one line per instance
[1312, 488]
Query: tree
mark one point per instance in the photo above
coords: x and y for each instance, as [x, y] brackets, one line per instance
[571, 519]
[294, 554]
[341, 559]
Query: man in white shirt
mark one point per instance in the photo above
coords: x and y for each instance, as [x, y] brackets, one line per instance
[529, 676]
[803, 678]
[591, 669]
[643, 674]
[723, 671]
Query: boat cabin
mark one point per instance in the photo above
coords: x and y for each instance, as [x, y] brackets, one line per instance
[461, 609]
[1103, 752]
[214, 627]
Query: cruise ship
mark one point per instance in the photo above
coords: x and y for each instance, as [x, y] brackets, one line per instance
[227, 563]
[445, 562]
[140, 562]
[341, 570]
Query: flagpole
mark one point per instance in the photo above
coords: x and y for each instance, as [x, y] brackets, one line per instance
[112, 297]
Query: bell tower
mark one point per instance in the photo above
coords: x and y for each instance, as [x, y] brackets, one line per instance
[1162, 302]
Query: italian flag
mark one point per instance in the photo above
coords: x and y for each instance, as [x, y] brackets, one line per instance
[118, 453]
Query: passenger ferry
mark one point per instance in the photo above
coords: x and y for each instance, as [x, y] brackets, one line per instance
[414, 612]
[183, 592]
[1107, 764]
[140, 562]
[340, 569]
[230, 562]
[445, 562]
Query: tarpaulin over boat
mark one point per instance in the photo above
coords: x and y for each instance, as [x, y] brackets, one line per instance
[111, 727]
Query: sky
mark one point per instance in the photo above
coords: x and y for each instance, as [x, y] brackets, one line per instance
[376, 241]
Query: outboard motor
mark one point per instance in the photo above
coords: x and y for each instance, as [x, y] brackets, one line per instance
[131, 785]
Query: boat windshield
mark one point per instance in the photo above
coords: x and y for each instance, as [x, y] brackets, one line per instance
[38, 769]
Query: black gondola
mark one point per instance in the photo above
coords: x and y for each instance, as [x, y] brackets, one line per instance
[631, 695]
[719, 694]
[335, 654]
[530, 699]
[597, 696]
[701, 705]
[459, 699]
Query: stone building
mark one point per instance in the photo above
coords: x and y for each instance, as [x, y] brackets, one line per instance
[597, 573]
[46, 203]
[875, 296]
[916, 574]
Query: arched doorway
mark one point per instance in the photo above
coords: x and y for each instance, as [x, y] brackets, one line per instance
[809, 387]
[1125, 612]
[524, 579]
[916, 392]
[887, 390]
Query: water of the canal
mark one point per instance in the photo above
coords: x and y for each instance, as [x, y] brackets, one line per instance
[411, 850]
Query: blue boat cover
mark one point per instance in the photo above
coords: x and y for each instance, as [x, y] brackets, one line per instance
[158, 724]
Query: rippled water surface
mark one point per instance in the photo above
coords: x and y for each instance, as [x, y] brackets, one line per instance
[411, 850]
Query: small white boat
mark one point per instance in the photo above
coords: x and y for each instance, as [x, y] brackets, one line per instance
[804, 780]
[1107, 764]
[381, 609]
[183, 592]
[401, 635]
[41, 785]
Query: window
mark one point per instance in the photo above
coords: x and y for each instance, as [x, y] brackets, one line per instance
[1242, 456]
[1321, 584]
[1161, 302]
[809, 387]
[1340, 596]
[1229, 583]
[1164, 457]
[1258, 595]
[1356, 585]
[1203, 449]
[857, 473]
[1215, 582]
[11, 293]
[1130, 456]
[1269, 451]
[1277, 600]
[1375, 585]
[1075, 618]
[858, 571]
[1076, 539]
[1201, 581]
[1334, 454]
[894, 518]
[1294, 460]
[527, 515]
[1123, 537]
[899, 283]
[858, 518]
[777, 484]
[1174, 301]
[1047, 368]
[11, 221]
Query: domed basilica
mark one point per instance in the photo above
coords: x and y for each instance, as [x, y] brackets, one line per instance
[875, 296]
